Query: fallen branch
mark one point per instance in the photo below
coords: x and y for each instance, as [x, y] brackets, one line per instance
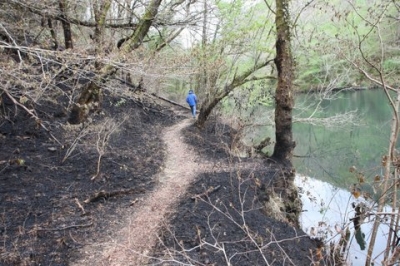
[37, 119]
[207, 192]
[169, 101]
[65, 227]
[80, 206]
[105, 195]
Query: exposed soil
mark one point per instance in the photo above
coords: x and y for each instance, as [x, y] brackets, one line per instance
[166, 193]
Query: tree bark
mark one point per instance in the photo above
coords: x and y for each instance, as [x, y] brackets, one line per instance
[100, 14]
[210, 103]
[136, 39]
[79, 111]
[283, 150]
[66, 25]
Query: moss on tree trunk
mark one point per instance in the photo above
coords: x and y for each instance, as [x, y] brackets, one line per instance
[90, 97]
[283, 150]
[283, 184]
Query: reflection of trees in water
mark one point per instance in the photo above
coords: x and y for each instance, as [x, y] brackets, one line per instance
[360, 237]
[336, 216]
[327, 152]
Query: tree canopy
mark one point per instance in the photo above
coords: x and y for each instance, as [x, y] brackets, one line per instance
[224, 50]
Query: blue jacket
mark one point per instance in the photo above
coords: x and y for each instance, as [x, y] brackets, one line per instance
[191, 99]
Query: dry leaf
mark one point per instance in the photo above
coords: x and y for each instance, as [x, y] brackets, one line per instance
[356, 193]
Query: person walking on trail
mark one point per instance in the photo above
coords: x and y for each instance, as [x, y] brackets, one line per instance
[191, 99]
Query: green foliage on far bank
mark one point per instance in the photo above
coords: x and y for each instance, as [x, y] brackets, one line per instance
[333, 37]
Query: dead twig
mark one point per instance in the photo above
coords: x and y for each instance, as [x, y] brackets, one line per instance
[37, 119]
[207, 192]
[108, 128]
[65, 227]
[82, 133]
[105, 195]
[80, 206]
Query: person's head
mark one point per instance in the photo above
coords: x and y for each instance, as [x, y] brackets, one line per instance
[190, 91]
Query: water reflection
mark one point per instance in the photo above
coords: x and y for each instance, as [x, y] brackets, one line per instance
[328, 212]
[327, 150]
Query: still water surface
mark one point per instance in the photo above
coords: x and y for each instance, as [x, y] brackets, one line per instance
[327, 151]
[358, 136]
[328, 209]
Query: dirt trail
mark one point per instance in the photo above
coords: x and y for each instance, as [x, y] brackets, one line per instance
[134, 241]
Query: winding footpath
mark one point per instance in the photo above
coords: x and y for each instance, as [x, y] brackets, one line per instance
[132, 244]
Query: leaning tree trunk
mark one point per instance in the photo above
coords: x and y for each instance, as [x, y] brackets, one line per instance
[136, 39]
[207, 108]
[91, 94]
[212, 100]
[283, 150]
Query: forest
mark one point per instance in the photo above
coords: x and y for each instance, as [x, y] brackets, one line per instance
[83, 80]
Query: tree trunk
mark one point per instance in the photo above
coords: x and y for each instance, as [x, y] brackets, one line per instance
[203, 64]
[66, 25]
[136, 39]
[283, 150]
[207, 108]
[212, 100]
[387, 162]
[80, 111]
[283, 188]
[88, 101]
[53, 34]
[100, 14]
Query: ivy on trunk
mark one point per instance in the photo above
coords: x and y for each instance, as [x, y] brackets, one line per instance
[284, 102]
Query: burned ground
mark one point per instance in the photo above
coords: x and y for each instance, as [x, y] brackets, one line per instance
[52, 202]
[44, 184]
[224, 220]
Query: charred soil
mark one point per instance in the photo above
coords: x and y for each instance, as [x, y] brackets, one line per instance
[63, 189]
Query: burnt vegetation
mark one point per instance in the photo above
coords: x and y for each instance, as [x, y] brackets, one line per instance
[80, 145]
